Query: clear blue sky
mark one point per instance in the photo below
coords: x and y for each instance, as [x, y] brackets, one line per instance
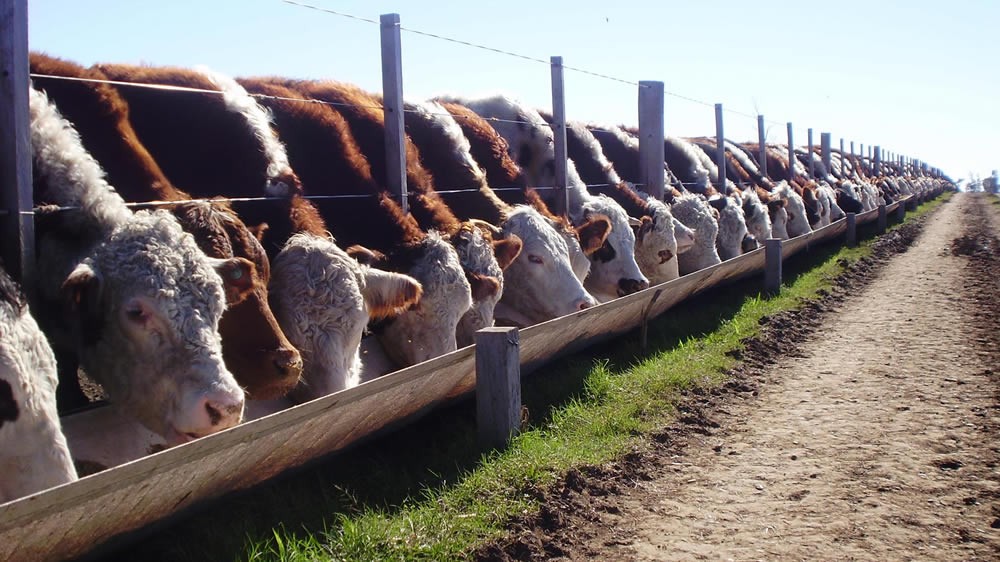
[918, 77]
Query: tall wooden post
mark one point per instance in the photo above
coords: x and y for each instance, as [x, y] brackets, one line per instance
[824, 143]
[762, 147]
[651, 149]
[843, 158]
[392, 102]
[852, 230]
[791, 154]
[809, 152]
[720, 148]
[498, 386]
[17, 223]
[878, 161]
[883, 219]
[561, 206]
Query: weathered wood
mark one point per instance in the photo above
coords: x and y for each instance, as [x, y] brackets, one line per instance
[559, 130]
[720, 148]
[852, 230]
[901, 211]
[772, 270]
[17, 223]
[392, 94]
[824, 142]
[809, 144]
[883, 219]
[498, 386]
[651, 133]
[791, 153]
[762, 145]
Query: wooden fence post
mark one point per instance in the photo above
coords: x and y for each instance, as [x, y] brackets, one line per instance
[17, 223]
[392, 102]
[824, 143]
[901, 212]
[772, 267]
[883, 219]
[852, 230]
[762, 147]
[561, 199]
[720, 149]
[498, 385]
[791, 154]
[651, 149]
[809, 152]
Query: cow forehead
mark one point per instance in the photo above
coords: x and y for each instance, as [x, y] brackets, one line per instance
[438, 264]
[150, 255]
[536, 233]
[621, 232]
[476, 253]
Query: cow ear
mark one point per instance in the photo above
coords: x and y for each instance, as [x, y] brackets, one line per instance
[82, 293]
[644, 227]
[593, 233]
[365, 256]
[258, 231]
[387, 293]
[506, 250]
[483, 286]
[775, 204]
[718, 203]
[237, 278]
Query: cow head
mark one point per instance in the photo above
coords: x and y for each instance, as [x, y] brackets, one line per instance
[732, 227]
[33, 450]
[324, 299]
[779, 218]
[541, 283]
[254, 347]
[428, 329]
[477, 253]
[756, 214]
[146, 304]
[694, 212]
[656, 248]
[613, 268]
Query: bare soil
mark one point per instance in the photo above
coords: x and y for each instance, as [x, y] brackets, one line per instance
[862, 427]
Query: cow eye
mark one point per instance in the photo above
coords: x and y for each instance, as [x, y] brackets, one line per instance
[534, 259]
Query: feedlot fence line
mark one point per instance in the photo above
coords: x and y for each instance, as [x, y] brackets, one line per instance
[60, 522]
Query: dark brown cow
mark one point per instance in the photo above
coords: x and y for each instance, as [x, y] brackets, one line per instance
[254, 347]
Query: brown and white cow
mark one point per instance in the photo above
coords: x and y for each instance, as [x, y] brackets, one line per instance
[261, 358]
[327, 159]
[129, 294]
[614, 271]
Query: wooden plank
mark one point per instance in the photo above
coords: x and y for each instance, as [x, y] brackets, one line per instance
[392, 96]
[651, 147]
[561, 206]
[17, 224]
[498, 386]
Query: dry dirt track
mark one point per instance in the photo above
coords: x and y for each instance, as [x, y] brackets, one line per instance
[877, 439]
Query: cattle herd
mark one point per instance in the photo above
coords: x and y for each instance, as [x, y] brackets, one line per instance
[283, 247]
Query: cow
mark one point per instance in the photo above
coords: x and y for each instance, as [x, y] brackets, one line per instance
[130, 294]
[614, 271]
[657, 243]
[33, 451]
[545, 281]
[329, 162]
[476, 252]
[694, 211]
[259, 355]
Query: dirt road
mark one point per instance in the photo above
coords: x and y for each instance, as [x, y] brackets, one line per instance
[876, 438]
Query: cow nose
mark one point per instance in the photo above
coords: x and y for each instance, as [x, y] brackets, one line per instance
[288, 362]
[749, 243]
[584, 304]
[629, 286]
[223, 409]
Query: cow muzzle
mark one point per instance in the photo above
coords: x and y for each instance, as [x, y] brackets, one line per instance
[629, 286]
[750, 243]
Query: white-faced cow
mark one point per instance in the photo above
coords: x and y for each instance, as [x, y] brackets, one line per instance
[33, 451]
[143, 301]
